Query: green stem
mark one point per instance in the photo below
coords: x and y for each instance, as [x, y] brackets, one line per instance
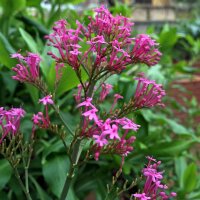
[26, 192]
[76, 152]
[68, 182]
[62, 119]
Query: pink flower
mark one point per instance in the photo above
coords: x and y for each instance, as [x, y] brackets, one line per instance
[10, 121]
[106, 88]
[141, 196]
[86, 103]
[91, 114]
[100, 140]
[145, 50]
[153, 187]
[28, 69]
[46, 100]
[112, 132]
[148, 93]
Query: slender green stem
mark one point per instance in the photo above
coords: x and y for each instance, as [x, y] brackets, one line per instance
[76, 152]
[68, 182]
[26, 179]
[61, 118]
[28, 197]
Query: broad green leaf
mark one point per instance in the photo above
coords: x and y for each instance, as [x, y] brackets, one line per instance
[190, 178]
[10, 84]
[173, 148]
[5, 50]
[180, 166]
[5, 172]
[178, 128]
[69, 80]
[13, 7]
[34, 93]
[29, 40]
[168, 37]
[55, 171]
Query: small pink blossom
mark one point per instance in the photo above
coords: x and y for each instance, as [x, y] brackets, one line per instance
[91, 114]
[141, 196]
[28, 69]
[100, 140]
[112, 132]
[46, 100]
[86, 103]
[148, 93]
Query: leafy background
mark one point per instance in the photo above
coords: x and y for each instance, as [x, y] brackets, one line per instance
[164, 133]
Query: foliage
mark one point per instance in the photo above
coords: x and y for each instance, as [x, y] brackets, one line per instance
[161, 135]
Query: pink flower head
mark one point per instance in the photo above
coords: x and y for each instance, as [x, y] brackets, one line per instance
[127, 124]
[10, 121]
[46, 100]
[148, 93]
[28, 68]
[141, 196]
[86, 103]
[145, 50]
[40, 120]
[106, 88]
[112, 132]
[110, 45]
[91, 114]
[153, 187]
[100, 140]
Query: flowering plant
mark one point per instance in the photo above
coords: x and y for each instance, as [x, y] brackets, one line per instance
[109, 50]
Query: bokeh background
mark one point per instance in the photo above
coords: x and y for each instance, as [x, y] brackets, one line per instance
[171, 134]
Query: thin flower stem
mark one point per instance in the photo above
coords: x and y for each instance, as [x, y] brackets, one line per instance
[67, 182]
[61, 118]
[76, 152]
[28, 197]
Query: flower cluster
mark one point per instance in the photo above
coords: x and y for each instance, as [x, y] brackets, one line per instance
[110, 46]
[28, 68]
[106, 133]
[39, 119]
[10, 121]
[153, 188]
[148, 93]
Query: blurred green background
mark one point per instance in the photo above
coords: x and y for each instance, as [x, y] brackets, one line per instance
[171, 134]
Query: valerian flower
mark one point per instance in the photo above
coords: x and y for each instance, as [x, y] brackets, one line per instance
[28, 68]
[10, 121]
[153, 188]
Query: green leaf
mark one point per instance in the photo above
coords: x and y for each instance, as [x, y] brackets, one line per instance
[190, 178]
[69, 80]
[173, 148]
[34, 93]
[180, 166]
[168, 37]
[40, 192]
[29, 40]
[5, 172]
[5, 50]
[13, 7]
[55, 171]
[178, 128]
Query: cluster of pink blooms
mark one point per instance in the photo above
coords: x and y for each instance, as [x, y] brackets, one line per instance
[148, 93]
[39, 119]
[110, 135]
[153, 188]
[109, 41]
[10, 121]
[28, 68]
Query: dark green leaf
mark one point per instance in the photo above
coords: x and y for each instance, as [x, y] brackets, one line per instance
[190, 178]
[5, 172]
[55, 171]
